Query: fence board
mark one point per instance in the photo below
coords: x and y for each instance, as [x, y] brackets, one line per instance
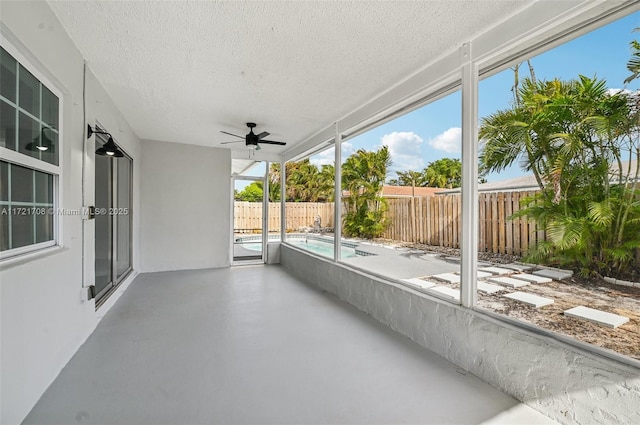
[438, 222]
[248, 215]
[508, 210]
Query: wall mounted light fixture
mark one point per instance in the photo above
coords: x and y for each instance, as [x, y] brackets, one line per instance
[41, 143]
[108, 149]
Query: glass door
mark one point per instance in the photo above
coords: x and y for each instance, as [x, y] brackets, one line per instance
[112, 222]
[249, 215]
[248, 220]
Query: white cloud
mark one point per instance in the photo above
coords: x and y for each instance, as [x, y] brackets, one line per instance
[328, 156]
[405, 150]
[449, 141]
[612, 92]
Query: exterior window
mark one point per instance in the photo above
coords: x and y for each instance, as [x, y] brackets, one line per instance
[29, 169]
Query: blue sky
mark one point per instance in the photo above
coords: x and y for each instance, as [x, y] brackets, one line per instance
[433, 131]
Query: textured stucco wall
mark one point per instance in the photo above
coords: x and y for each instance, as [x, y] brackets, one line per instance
[561, 381]
[43, 319]
[185, 207]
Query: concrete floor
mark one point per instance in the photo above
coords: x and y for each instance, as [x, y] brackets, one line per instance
[253, 344]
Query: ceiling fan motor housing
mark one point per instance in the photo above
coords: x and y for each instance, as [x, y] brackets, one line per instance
[251, 138]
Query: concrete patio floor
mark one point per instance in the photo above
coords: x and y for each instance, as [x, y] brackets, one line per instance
[253, 344]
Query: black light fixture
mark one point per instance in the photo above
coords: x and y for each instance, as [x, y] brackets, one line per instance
[108, 149]
[41, 143]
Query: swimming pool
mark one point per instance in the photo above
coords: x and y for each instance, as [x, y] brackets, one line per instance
[317, 246]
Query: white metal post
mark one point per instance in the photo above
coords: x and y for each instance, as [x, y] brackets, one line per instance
[469, 237]
[283, 201]
[337, 203]
[232, 213]
[265, 213]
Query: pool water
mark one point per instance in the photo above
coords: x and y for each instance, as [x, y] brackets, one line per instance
[323, 248]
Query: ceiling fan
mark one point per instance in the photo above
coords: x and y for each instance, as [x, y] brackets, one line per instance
[251, 139]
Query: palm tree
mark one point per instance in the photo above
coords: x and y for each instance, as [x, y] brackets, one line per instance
[274, 182]
[633, 65]
[568, 134]
[445, 172]
[326, 182]
[363, 176]
[413, 179]
[410, 178]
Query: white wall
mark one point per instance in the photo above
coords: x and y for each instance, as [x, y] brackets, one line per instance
[564, 382]
[185, 207]
[42, 318]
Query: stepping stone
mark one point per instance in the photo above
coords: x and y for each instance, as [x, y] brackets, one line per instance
[454, 259]
[418, 283]
[555, 274]
[445, 292]
[489, 288]
[447, 277]
[519, 267]
[496, 270]
[534, 300]
[508, 281]
[532, 278]
[600, 317]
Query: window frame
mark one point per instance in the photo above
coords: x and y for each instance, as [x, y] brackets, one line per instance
[28, 62]
[470, 71]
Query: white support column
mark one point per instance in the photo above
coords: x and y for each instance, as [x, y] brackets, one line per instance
[232, 215]
[469, 237]
[337, 219]
[283, 201]
[265, 213]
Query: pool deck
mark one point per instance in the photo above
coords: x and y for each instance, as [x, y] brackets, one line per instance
[400, 263]
[386, 260]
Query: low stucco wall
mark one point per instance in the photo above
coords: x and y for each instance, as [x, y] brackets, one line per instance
[563, 382]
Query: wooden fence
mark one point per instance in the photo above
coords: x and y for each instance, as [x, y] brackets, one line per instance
[436, 220]
[433, 220]
[248, 215]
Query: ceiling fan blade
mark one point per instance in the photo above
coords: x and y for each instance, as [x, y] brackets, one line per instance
[271, 142]
[231, 134]
[235, 141]
[263, 134]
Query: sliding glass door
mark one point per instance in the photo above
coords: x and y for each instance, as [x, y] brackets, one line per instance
[112, 222]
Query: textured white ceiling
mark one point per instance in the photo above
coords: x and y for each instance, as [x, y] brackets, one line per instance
[182, 71]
